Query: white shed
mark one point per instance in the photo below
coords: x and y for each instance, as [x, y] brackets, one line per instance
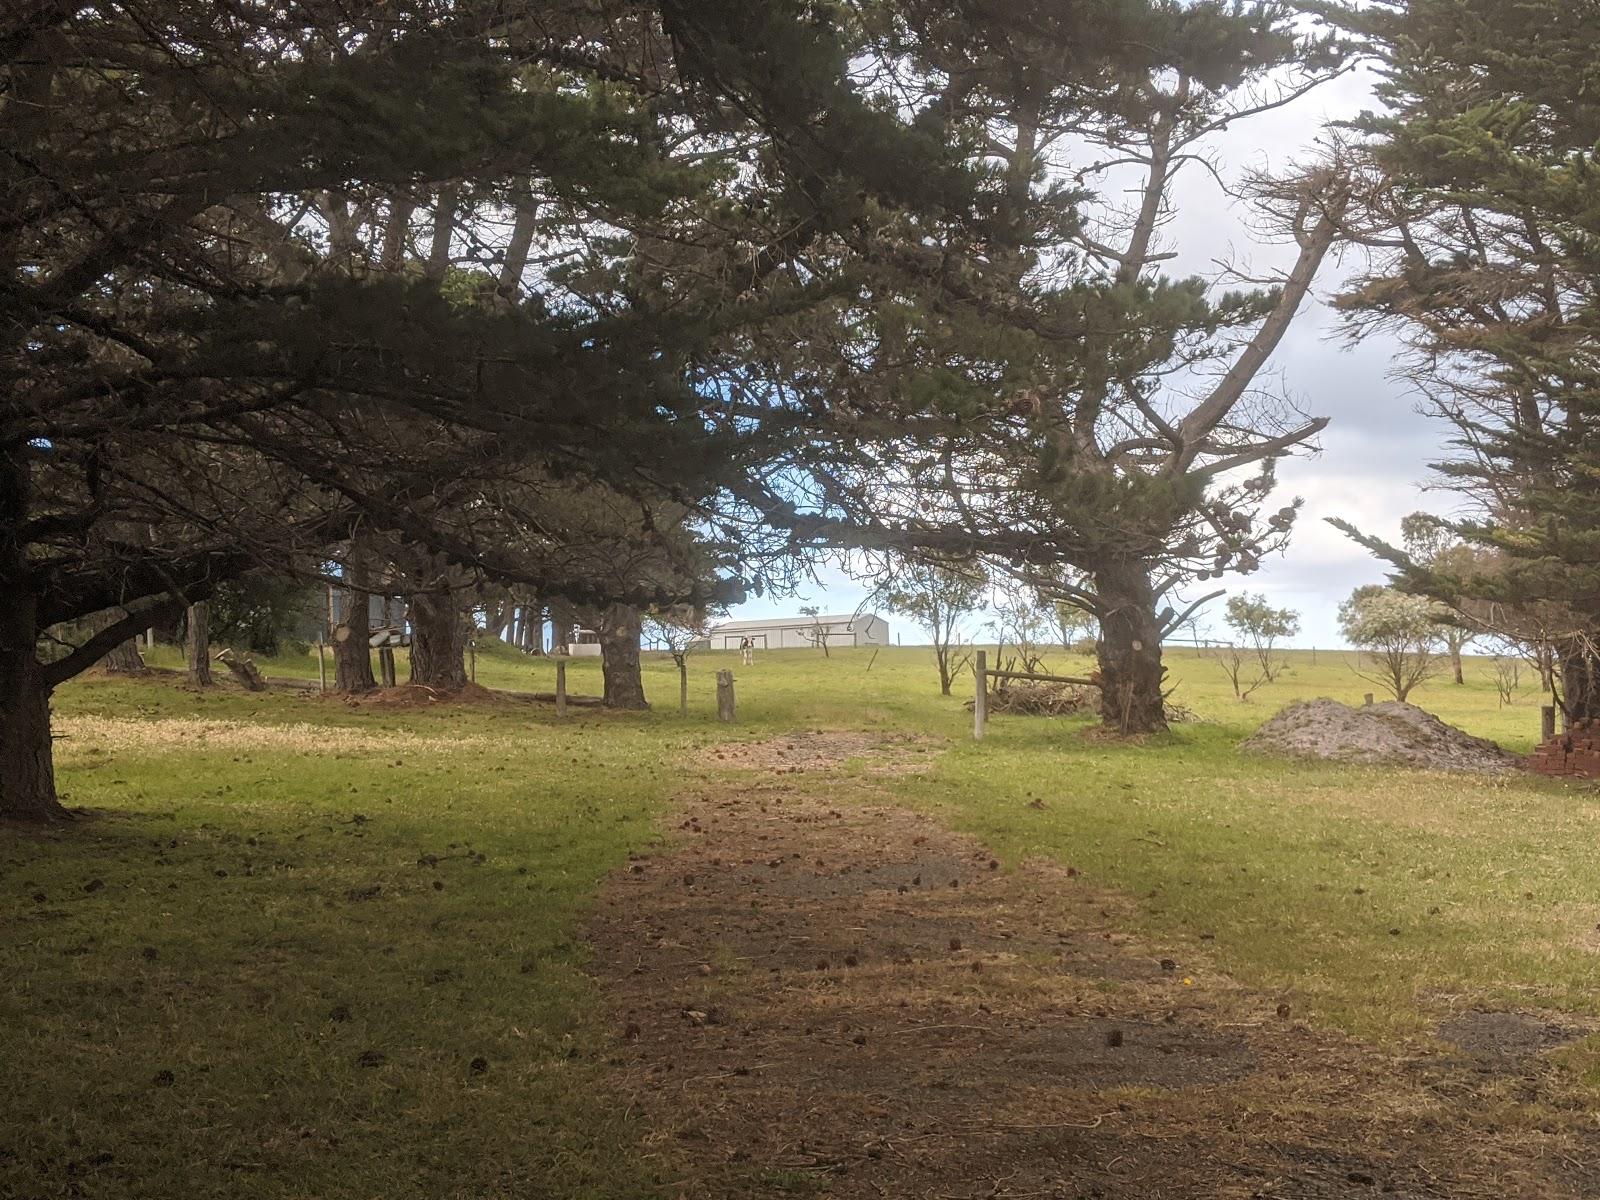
[802, 632]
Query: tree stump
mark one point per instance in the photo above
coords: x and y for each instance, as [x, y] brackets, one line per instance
[197, 643]
[123, 658]
[725, 697]
[243, 670]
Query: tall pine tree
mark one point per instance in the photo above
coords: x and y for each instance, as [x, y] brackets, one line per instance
[1480, 205]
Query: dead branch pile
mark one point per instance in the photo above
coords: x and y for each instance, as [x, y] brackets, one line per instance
[1029, 698]
[1032, 698]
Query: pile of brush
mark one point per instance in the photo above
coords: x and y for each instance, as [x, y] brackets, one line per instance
[1028, 698]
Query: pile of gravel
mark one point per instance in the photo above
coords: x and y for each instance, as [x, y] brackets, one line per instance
[1401, 734]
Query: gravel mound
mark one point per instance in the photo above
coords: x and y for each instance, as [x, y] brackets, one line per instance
[1401, 734]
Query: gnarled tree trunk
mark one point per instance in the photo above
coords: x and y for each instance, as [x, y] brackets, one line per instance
[197, 643]
[438, 641]
[1131, 674]
[619, 627]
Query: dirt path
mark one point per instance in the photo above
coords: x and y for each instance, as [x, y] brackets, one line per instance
[846, 1000]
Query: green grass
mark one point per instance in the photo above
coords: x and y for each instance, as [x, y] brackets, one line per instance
[216, 919]
[217, 922]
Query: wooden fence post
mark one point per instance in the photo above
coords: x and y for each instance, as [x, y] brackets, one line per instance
[1547, 723]
[980, 702]
[561, 687]
[725, 697]
[1367, 702]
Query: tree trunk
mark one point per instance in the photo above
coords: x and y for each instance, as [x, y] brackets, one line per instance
[27, 769]
[1131, 673]
[533, 625]
[197, 643]
[352, 655]
[1580, 682]
[497, 616]
[683, 684]
[562, 619]
[124, 659]
[1455, 662]
[438, 641]
[619, 628]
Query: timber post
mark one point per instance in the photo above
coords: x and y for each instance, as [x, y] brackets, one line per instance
[725, 700]
[1367, 701]
[561, 687]
[980, 702]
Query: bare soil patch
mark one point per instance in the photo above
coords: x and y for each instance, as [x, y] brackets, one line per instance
[1390, 732]
[1509, 1035]
[819, 994]
[817, 750]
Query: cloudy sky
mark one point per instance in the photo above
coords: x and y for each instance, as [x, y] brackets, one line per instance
[1375, 452]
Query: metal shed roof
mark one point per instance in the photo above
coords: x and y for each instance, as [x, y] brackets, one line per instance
[800, 622]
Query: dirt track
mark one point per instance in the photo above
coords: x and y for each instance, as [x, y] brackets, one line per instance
[844, 999]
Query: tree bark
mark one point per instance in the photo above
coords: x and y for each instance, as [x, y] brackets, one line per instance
[352, 653]
[533, 628]
[499, 614]
[27, 769]
[197, 643]
[1455, 661]
[438, 641]
[562, 619]
[352, 656]
[1580, 682]
[620, 626]
[124, 658]
[1131, 674]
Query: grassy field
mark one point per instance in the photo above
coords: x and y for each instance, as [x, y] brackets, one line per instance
[309, 949]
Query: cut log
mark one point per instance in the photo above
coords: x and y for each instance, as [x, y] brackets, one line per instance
[243, 670]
